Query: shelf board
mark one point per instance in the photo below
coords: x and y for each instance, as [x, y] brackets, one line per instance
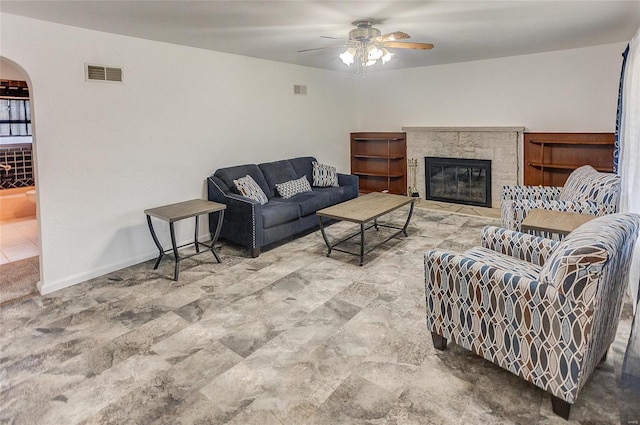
[567, 166]
[572, 142]
[376, 139]
[378, 157]
[384, 175]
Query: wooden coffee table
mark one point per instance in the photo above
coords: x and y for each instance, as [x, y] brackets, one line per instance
[560, 222]
[362, 210]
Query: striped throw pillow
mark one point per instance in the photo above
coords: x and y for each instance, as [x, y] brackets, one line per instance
[248, 187]
[324, 175]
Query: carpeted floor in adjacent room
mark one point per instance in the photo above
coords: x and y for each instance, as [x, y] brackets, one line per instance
[18, 279]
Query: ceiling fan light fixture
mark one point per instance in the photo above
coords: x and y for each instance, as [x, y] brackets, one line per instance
[387, 56]
[374, 53]
[348, 56]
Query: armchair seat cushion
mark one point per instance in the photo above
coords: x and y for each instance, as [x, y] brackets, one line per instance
[504, 262]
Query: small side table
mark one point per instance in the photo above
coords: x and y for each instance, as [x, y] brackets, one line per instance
[180, 211]
[560, 222]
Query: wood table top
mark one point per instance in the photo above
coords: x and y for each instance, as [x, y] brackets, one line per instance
[560, 222]
[186, 209]
[366, 207]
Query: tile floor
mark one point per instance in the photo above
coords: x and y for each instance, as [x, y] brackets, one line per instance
[18, 239]
[289, 338]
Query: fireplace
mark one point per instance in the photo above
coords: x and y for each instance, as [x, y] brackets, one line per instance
[461, 181]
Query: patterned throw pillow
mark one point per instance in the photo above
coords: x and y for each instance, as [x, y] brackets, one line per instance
[248, 187]
[293, 187]
[324, 175]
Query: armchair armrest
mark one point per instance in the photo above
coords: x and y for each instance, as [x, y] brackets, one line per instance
[530, 192]
[524, 246]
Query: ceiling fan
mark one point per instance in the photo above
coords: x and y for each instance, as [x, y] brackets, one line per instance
[367, 45]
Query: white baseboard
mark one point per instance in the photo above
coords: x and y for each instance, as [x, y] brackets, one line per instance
[49, 287]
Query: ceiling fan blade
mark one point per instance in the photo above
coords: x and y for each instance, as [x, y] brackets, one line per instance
[332, 38]
[400, 45]
[316, 48]
[392, 36]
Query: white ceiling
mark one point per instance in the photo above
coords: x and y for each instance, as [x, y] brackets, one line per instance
[276, 30]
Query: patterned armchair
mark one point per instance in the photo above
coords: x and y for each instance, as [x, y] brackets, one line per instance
[586, 191]
[544, 310]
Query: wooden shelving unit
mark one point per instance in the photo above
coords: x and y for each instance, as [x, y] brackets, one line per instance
[380, 160]
[550, 157]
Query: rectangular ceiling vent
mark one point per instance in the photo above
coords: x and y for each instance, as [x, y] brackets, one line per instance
[103, 73]
[300, 89]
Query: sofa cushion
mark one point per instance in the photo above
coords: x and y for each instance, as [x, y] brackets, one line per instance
[336, 194]
[293, 187]
[324, 175]
[277, 172]
[229, 174]
[587, 184]
[275, 212]
[309, 202]
[248, 187]
[303, 167]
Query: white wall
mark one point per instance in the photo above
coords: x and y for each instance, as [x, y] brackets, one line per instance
[105, 152]
[563, 91]
[8, 71]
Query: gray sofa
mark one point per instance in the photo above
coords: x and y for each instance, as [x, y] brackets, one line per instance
[253, 225]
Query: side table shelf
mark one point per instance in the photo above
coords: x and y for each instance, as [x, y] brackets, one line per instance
[180, 211]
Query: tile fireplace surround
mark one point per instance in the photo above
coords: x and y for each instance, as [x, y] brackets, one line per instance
[502, 145]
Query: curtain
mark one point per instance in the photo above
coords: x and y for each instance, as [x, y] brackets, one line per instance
[629, 155]
[616, 145]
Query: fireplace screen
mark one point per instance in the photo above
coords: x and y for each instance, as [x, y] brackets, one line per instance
[462, 181]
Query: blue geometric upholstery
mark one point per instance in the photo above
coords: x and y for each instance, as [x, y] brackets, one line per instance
[549, 322]
[586, 191]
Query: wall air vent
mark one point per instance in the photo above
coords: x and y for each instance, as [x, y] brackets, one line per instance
[103, 73]
[300, 89]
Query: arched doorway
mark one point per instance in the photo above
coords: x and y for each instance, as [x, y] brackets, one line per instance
[20, 261]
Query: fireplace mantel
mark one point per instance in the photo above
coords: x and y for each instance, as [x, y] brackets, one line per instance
[502, 145]
[466, 129]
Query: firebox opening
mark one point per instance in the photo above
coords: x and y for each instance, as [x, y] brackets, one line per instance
[461, 181]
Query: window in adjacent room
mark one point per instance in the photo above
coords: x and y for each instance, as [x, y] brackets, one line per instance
[15, 117]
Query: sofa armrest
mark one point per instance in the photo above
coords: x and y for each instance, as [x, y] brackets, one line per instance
[524, 246]
[349, 180]
[242, 218]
